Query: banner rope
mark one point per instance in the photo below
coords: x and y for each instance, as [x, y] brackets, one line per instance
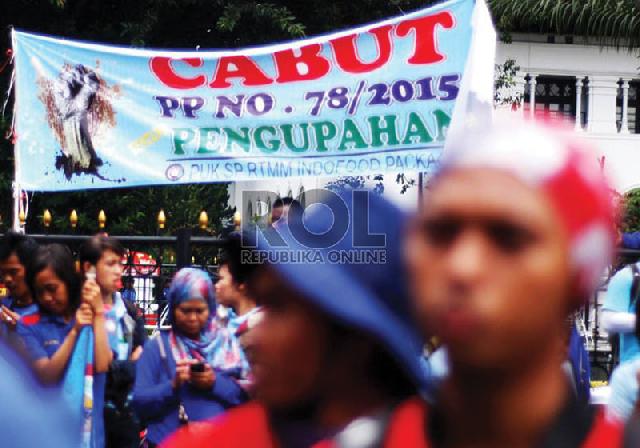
[9, 60]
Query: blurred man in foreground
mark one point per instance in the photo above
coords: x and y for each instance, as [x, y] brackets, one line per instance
[514, 235]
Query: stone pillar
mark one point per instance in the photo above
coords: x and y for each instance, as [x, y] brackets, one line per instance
[532, 94]
[578, 104]
[520, 86]
[624, 127]
[603, 92]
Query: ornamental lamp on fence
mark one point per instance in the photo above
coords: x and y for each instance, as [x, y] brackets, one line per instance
[46, 218]
[22, 218]
[73, 218]
[161, 219]
[237, 220]
[102, 219]
[203, 220]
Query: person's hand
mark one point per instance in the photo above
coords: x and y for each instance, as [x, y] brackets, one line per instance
[183, 373]
[204, 380]
[84, 316]
[136, 354]
[8, 317]
[91, 296]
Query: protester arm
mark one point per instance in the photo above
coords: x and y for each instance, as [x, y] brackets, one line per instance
[153, 393]
[616, 322]
[51, 370]
[103, 354]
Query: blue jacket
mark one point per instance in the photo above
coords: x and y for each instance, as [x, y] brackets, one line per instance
[631, 240]
[157, 402]
[580, 367]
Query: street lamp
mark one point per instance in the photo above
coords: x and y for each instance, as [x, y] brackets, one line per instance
[237, 220]
[203, 220]
[161, 219]
[46, 218]
[73, 218]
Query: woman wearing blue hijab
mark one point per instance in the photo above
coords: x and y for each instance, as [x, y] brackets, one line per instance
[187, 373]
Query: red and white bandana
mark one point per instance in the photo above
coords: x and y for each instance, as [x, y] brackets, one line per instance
[566, 170]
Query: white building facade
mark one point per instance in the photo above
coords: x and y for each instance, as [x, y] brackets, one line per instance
[594, 88]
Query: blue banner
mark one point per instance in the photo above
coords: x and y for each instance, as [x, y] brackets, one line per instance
[368, 100]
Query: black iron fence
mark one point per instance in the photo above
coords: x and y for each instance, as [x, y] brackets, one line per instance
[150, 277]
[151, 263]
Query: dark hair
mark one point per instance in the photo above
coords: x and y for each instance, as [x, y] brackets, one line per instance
[59, 259]
[232, 258]
[223, 259]
[281, 202]
[94, 249]
[23, 246]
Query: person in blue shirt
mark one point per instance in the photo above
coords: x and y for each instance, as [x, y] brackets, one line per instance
[68, 345]
[128, 292]
[618, 313]
[16, 252]
[624, 386]
[124, 324]
[231, 292]
[187, 373]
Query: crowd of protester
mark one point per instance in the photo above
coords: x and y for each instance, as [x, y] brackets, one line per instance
[461, 336]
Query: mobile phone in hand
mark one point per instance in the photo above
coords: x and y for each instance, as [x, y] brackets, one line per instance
[91, 273]
[197, 368]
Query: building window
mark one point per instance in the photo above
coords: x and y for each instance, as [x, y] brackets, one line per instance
[555, 97]
[633, 107]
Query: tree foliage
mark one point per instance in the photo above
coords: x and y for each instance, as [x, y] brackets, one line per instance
[631, 208]
[616, 21]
